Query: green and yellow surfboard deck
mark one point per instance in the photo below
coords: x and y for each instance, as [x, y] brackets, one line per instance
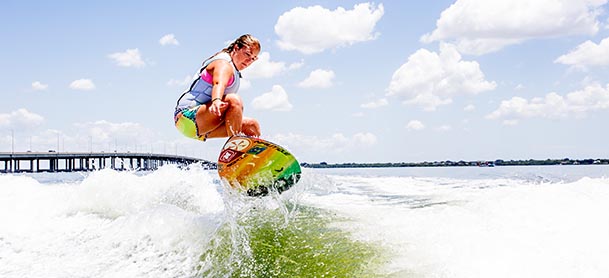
[257, 166]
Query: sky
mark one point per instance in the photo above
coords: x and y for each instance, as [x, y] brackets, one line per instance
[336, 81]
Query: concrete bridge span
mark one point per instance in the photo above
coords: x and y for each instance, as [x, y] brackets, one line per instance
[33, 162]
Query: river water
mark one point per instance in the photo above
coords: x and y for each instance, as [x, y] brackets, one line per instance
[547, 221]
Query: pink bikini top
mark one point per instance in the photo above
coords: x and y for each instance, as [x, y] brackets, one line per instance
[209, 79]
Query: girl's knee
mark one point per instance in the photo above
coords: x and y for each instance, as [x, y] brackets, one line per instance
[250, 127]
[233, 100]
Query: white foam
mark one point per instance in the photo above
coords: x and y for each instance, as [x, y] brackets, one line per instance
[441, 227]
[124, 224]
[112, 224]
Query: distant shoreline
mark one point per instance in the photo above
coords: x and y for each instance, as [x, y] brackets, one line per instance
[448, 163]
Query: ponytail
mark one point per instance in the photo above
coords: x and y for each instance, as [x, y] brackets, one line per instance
[243, 40]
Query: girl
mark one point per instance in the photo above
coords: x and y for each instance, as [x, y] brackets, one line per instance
[211, 108]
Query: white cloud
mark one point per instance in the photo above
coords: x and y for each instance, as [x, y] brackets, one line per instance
[129, 58]
[37, 86]
[82, 84]
[469, 108]
[444, 128]
[245, 84]
[430, 79]
[295, 66]
[96, 136]
[554, 106]
[187, 80]
[19, 119]
[315, 29]
[318, 78]
[587, 54]
[335, 143]
[365, 138]
[415, 125]
[375, 104]
[265, 68]
[169, 39]
[276, 100]
[510, 122]
[104, 132]
[482, 26]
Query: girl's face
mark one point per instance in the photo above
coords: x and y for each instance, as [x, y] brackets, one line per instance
[243, 57]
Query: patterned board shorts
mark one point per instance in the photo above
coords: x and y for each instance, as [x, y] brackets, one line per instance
[186, 123]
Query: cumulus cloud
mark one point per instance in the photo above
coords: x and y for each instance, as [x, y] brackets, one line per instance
[82, 84]
[37, 86]
[315, 29]
[469, 108]
[19, 119]
[483, 26]
[129, 58]
[587, 54]
[318, 78]
[297, 65]
[169, 39]
[96, 136]
[365, 138]
[276, 100]
[415, 125]
[510, 122]
[375, 104]
[432, 79]
[335, 143]
[245, 84]
[265, 68]
[108, 132]
[187, 80]
[554, 106]
[444, 128]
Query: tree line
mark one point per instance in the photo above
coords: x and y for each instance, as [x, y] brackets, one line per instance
[448, 163]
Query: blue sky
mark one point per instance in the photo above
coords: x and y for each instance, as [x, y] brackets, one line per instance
[337, 81]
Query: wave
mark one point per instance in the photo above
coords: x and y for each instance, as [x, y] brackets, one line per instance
[185, 223]
[168, 223]
[481, 227]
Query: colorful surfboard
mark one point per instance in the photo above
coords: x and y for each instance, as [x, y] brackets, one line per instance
[257, 166]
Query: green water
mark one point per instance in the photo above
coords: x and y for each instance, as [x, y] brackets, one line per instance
[306, 242]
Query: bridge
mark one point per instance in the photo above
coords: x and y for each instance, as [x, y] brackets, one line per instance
[34, 162]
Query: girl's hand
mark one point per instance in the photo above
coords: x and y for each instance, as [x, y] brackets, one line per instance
[217, 106]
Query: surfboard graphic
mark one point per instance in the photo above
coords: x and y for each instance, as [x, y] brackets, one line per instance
[255, 166]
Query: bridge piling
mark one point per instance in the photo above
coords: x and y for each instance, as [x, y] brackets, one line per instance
[72, 161]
